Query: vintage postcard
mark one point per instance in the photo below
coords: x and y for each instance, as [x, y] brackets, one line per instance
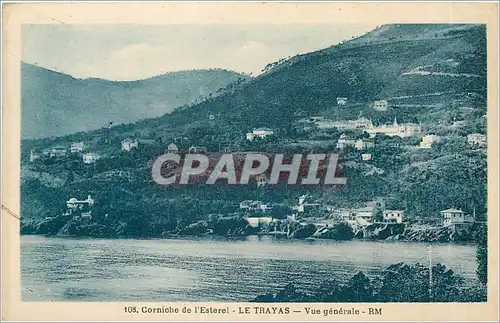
[250, 161]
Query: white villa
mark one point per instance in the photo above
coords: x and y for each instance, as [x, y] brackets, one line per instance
[428, 140]
[393, 216]
[77, 147]
[476, 139]
[259, 133]
[341, 100]
[128, 144]
[83, 206]
[455, 218]
[90, 158]
[380, 105]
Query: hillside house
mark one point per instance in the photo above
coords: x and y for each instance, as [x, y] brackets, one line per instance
[392, 216]
[341, 101]
[197, 150]
[380, 105]
[344, 141]
[455, 218]
[129, 144]
[90, 158]
[80, 208]
[259, 133]
[172, 149]
[476, 140]
[362, 144]
[366, 156]
[77, 147]
[428, 140]
[58, 152]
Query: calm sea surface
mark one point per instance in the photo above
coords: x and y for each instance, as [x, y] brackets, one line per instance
[208, 269]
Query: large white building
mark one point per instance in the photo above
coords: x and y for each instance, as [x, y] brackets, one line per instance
[259, 133]
[360, 123]
[395, 130]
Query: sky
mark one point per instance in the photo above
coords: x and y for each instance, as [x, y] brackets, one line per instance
[132, 52]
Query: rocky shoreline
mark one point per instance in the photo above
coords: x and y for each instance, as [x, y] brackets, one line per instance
[238, 227]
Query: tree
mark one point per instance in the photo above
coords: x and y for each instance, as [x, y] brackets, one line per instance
[482, 255]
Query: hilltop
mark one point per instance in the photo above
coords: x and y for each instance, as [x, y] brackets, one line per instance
[55, 104]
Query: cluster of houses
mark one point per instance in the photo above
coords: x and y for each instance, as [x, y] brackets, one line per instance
[61, 152]
[357, 218]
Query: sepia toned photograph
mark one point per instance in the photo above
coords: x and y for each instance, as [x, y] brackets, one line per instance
[269, 164]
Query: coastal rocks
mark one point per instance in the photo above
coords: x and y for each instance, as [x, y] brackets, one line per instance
[85, 229]
[340, 231]
[41, 226]
[303, 232]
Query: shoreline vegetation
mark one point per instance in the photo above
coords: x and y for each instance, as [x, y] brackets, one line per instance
[398, 283]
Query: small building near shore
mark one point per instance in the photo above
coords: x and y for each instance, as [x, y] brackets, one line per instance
[258, 222]
[392, 216]
[455, 218]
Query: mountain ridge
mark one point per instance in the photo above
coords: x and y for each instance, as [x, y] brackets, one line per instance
[51, 100]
